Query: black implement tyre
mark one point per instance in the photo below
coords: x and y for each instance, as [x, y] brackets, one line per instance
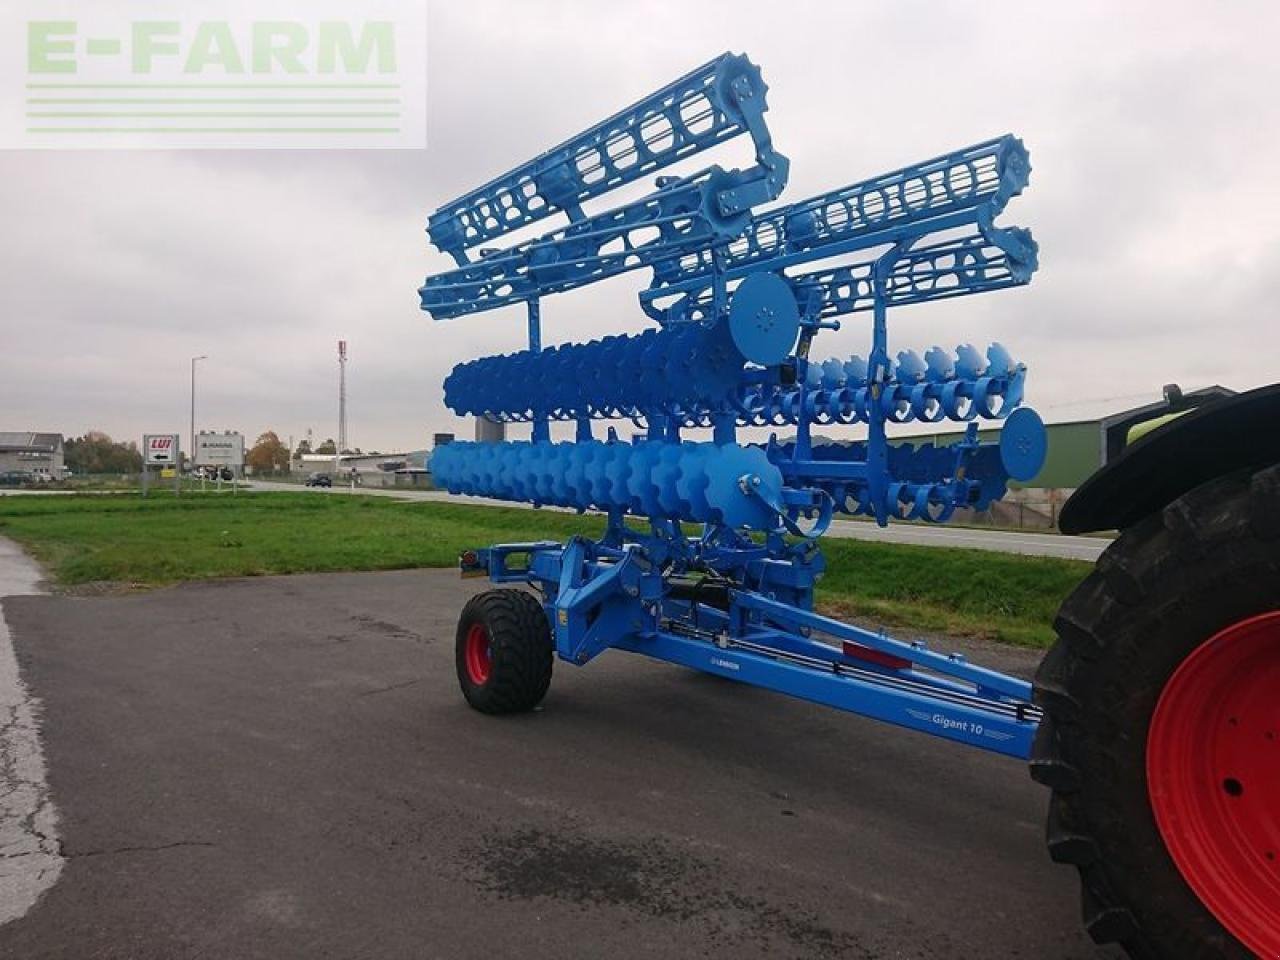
[1161, 738]
[503, 651]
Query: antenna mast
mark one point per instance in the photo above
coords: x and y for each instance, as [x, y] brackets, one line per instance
[342, 396]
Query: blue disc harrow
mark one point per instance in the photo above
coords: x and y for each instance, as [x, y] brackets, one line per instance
[711, 552]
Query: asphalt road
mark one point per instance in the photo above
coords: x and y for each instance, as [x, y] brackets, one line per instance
[283, 767]
[29, 859]
[999, 541]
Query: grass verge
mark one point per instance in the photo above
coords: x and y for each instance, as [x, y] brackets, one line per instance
[164, 540]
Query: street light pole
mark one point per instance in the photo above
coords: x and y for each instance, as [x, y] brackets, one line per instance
[192, 452]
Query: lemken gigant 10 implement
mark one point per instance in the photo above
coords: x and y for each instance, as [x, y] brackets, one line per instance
[718, 570]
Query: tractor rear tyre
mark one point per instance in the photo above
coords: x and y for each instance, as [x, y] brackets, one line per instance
[1161, 737]
[503, 652]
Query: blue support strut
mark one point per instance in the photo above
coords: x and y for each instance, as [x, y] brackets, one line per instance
[917, 706]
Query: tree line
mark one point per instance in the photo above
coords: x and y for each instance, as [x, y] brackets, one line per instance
[96, 452]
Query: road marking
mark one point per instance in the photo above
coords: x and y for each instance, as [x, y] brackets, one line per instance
[30, 861]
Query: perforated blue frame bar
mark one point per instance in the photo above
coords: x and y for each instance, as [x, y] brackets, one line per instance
[720, 100]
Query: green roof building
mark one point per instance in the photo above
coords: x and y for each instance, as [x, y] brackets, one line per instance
[1077, 448]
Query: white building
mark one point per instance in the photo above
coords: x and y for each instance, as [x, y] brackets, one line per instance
[39, 454]
[372, 469]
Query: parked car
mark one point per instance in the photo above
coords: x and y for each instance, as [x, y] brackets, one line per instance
[319, 480]
[213, 473]
[14, 478]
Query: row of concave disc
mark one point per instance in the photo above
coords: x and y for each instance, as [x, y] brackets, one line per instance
[689, 365]
[698, 482]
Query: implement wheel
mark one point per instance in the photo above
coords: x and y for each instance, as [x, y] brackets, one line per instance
[503, 652]
[1161, 740]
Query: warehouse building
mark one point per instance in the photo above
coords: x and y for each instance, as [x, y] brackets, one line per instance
[1080, 445]
[39, 454]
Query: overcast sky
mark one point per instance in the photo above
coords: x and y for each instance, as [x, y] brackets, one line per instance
[1154, 133]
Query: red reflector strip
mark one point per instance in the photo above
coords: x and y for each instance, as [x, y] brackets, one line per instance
[857, 651]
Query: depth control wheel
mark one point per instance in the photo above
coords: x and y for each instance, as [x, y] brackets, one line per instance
[503, 652]
[1161, 738]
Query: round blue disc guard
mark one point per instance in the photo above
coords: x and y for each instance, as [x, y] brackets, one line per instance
[764, 319]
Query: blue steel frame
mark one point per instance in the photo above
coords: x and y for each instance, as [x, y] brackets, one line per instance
[611, 595]
[739, 298]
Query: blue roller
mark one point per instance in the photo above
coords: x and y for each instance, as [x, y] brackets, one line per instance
[929, 482]
[671, 371]
[693, 482]
[655, 371]
[960, 387]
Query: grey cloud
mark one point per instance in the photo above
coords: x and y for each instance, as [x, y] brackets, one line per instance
[1154, 138]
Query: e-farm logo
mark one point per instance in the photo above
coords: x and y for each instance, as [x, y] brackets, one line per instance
[229, 74]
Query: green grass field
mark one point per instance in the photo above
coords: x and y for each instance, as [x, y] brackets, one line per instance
[163, 540]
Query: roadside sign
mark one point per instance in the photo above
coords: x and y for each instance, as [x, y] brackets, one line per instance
[161, 450]
[219, 450]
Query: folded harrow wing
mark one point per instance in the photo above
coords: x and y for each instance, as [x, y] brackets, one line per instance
[710, 554]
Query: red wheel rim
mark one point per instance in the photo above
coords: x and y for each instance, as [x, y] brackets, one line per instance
[476, 653]
[1213, 776]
